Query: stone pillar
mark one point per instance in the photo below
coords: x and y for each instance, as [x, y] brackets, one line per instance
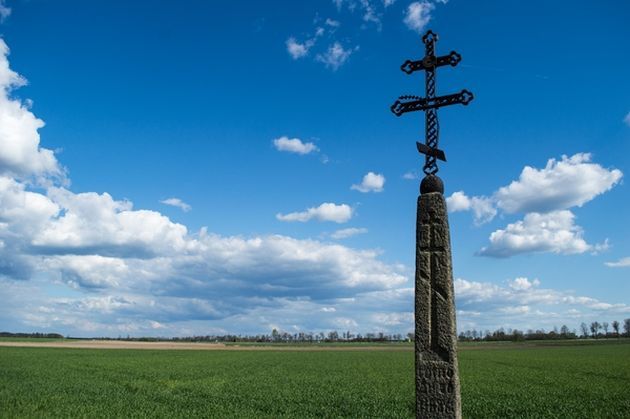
[437, 379]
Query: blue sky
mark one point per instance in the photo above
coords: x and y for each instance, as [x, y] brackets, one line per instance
[233, 167]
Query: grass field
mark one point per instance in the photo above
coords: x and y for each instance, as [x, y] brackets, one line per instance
[568, 379]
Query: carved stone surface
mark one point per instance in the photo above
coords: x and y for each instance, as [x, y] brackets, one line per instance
[437, 379]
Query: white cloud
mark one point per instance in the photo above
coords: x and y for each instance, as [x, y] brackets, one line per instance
[544, 195]
[572, 181]
[327, 211]
[21, 154]
[418, 15]
[332, 23]
[176, 202]
[298, 50]
[411, 175]
[387, 3]
[458, 201]
[370, 14]
[482, 207]
[553, 232]
[621, 263]
[89, 271]
[344, 233]
[393, 319]
[335, 56]
[88, 264]
[524, 304]
[627, 119]
[523, 283]
[372, 182]
[89, 222]
[4, 10]
[294, 145]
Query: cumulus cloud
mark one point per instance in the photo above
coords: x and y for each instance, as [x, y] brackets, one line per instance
[621, 263]
[96, 223]
[335, 56]
[554, 232]
[327, 211]
[21, 156]
[344, 233]
[294, 145]
[524, 303]
[522, 284]
[544, 196]
[482, 207]
[418, 15]
[561, 184]
[88, 264]
[141, 266]
[178, 203]
[393, 319]
[372, 182]
[571, 181]
[627, 119]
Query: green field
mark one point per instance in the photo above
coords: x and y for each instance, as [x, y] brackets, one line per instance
[498, 380]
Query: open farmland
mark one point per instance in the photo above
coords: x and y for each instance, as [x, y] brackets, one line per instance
[568, 379]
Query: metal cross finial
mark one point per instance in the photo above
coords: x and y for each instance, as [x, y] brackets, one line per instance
[430, 102]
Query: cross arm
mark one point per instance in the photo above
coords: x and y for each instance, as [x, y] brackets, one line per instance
[403, 105]
[430, 62]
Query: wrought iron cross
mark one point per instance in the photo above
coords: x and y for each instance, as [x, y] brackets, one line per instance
[430, 103]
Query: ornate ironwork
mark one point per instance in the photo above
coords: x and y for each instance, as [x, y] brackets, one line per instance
[430, 103]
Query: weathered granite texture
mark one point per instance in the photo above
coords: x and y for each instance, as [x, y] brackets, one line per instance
[437, 379]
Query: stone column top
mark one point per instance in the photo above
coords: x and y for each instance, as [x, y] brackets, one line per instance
[431, 183]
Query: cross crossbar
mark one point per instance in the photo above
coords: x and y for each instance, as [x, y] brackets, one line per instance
[422, 104]
[430, 62]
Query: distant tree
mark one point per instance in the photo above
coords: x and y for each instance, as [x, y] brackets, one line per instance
[595, 326]
[584, 328]
[615, 326]
[517, 335]
[275, 335]
[626, 327]
[564, 331]
[605, 327]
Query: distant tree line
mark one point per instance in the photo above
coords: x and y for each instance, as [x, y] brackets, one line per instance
[277, 336]
[595, 330]
[31, 335]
